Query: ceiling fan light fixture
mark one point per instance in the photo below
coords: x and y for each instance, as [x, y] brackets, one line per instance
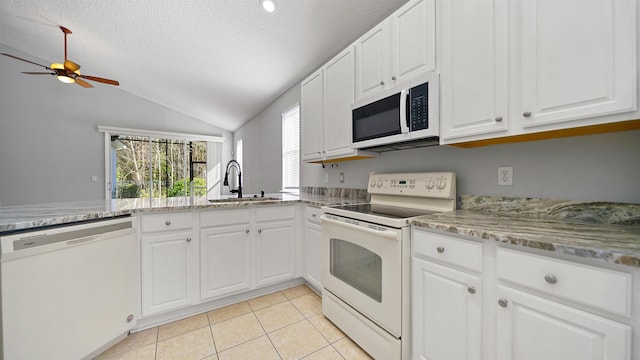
[66, 79]
[268, 5]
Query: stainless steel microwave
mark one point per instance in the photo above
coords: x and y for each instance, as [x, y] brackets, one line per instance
[405, 116]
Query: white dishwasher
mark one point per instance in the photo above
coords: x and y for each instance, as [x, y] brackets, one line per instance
[67, 291]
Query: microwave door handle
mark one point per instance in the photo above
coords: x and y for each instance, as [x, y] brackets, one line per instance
[404, 118]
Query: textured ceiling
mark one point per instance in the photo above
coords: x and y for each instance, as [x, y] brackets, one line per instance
[220, 61]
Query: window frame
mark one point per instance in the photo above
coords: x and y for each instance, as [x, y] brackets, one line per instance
[284, 153]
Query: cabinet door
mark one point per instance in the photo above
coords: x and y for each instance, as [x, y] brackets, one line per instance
[372, 61]
[313, 251]
[275, 252]
[167, 271]
[474, 68]
[413, 39]
[533, 328]
[578, 59]
[311, 107]
[338, 98]
[446, 307]
[226, 261]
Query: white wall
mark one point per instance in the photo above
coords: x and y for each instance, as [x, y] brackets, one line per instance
[604, 167]
[49, 143]
[262, 142]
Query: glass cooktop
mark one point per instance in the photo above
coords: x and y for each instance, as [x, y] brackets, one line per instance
[392, 212]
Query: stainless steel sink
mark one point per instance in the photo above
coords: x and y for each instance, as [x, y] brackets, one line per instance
[244, 199]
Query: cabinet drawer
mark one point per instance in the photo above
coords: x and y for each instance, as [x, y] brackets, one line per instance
[313, 214]
[275, 213]
[600, 288]
[167, 221]
[224, 217]
[459, 252]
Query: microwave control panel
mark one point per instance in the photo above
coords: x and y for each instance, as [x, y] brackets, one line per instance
[432, 184]
[419, 107]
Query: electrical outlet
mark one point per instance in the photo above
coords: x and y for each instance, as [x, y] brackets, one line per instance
[341, 177]
[326, 177]
[94, 178]
[505, 175]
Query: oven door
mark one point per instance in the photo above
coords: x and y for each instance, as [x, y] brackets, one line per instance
[362, 265]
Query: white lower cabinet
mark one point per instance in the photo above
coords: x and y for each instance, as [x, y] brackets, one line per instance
[275, 249]
[313, 247]
[226, 261]
[275, 244]
[168, 271]
[482, 300]
[446, 302]
[531, 327]
[447, 313]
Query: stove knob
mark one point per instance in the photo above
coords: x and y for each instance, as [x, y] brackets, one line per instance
[430, 184]
[379, 183]
[373, 183]
[442, 183]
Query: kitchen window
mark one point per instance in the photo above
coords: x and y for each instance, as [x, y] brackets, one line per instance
[291, 149]
[160, 169]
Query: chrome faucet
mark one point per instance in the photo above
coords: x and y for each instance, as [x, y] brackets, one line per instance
[230, 164]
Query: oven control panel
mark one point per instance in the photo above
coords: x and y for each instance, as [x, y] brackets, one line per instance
[425, 184]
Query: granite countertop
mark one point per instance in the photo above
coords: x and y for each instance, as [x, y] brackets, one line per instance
[604, 231]
[25, 217]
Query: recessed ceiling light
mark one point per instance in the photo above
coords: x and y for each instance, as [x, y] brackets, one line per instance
[268, 5]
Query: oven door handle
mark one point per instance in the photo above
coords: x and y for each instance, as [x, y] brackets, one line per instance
[390, 234]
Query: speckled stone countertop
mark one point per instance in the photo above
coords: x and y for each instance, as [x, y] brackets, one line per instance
[604, 231]
[26, 217]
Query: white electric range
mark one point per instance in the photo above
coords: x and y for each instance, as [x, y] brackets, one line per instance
[366, 258]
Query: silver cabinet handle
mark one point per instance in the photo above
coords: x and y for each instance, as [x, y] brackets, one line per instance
[440, 249]
[247, 231]
[393, 77]
[471, 290]
[382, 83]
[503, 303]
[188, 240]
[259, 231]
[167, 222]
[526, 113]
[314, 215]
[498, 118]
[550, 279]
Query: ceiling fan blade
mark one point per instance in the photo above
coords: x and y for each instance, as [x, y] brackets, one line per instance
[83, 83]
[71, 66]
[37, 73]
[21, 59]
[102, 80]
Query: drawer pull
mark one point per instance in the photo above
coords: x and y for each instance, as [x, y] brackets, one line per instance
[550, 279]
[526, 113]
[247, 231]
[314, 215]
[167, 222]
[498, 118]
[503, 303]
[471, 290]
[440, 249]
[188, 240]
[259, 231]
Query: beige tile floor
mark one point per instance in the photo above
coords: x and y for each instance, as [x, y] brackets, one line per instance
[283, 325]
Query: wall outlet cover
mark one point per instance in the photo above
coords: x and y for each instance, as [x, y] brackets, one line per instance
[505, 175]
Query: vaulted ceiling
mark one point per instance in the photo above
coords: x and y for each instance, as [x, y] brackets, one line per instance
[220, 61]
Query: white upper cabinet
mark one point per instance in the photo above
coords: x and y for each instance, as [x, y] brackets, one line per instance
[338, 97]
[399, 48]
[413, 40]
[474, 71]
[311, 116]
[578, 59]
[326, 100]
[372, 61]
[529, 66]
